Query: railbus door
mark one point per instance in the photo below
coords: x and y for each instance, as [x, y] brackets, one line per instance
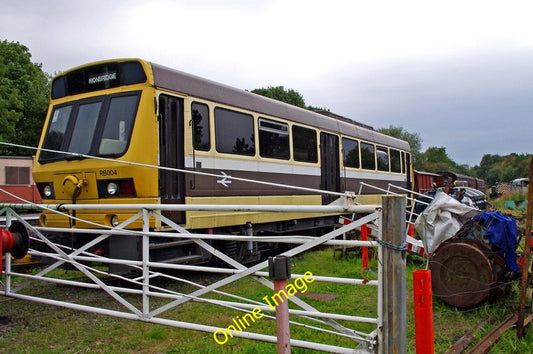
[171, 183]
[330, 168]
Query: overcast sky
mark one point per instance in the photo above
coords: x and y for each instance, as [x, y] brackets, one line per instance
[459, 73]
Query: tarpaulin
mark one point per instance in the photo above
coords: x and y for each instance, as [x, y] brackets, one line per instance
[501, 232]
[441, 220]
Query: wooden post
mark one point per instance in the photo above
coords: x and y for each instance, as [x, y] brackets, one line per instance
[394, 309]
[527, 252]
[279, 269]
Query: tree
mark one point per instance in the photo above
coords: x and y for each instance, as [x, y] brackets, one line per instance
[496, 168]
[436, 159]
[414, 140]
[320, 110]
[23, 98]
[279, 93]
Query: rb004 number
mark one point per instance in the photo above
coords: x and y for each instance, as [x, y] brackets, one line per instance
[106, 173]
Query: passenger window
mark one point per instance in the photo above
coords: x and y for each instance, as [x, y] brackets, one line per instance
[234, 132]
[350, 151]
[200, 126]
[304, 144]
[383, 158]
[273, 139]
[368, 156]
[395, 161]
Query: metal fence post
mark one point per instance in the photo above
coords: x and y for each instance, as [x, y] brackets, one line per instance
[394, 318]
[145, 260]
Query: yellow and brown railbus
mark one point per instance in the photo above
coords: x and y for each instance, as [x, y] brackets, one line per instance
[131, 110]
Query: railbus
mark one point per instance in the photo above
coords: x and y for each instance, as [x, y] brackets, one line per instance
[132, 110]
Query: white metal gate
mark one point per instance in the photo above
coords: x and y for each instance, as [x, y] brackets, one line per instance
[384, 335]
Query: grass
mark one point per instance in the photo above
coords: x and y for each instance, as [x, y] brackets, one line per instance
[517, 197]
[30, 327]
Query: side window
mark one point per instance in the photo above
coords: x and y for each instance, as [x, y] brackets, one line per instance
[56, 131]
[304, 144]
[395, 161]
[273, 139]
[383, 158]
[234, 132]
[350, 152]
[368, 156]
[200, 126]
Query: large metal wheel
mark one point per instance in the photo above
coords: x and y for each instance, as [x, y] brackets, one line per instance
[462, 273]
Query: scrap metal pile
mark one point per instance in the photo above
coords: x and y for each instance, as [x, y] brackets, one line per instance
[473, 255]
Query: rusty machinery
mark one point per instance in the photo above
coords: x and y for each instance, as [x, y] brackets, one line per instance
[468, 269]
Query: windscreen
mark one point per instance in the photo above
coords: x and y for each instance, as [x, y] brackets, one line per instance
[98, 126]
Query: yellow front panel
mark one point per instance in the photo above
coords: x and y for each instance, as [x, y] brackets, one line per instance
[99, 218]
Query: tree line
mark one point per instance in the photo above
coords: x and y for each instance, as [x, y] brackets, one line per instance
[24, 99]
[491, 169]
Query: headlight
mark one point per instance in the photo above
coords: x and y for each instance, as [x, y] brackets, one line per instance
[114, 221]
[47, 191]
[111, 219]
[112, 188]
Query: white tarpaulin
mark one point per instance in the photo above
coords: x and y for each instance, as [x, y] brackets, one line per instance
[441, 220]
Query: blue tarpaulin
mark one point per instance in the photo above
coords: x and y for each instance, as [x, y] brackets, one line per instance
[501, 232]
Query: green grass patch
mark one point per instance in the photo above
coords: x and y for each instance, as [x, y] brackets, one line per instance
[28, 327]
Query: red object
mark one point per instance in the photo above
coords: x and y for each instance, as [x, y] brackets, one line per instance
[6, 238]
[424, 181]
[25, 192]
[364, 250]
[411, 230]
[423, 301]
[6, 242]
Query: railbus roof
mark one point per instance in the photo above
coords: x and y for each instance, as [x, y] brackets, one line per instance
[180, 81]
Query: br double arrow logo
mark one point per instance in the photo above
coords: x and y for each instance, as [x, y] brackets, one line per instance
[224, 181]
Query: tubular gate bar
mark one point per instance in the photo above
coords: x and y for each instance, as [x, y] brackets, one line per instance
[145, 290]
